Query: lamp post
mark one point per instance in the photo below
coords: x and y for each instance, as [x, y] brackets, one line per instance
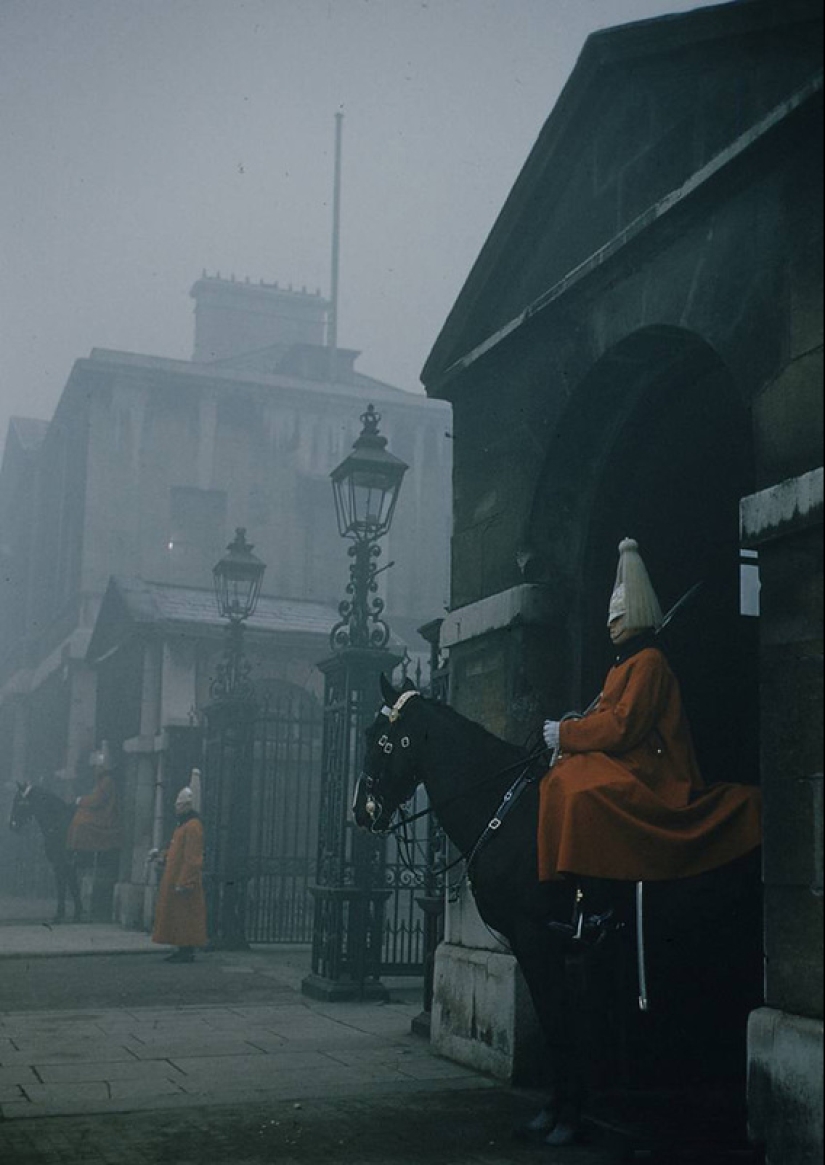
[237, 578]
[229, 747]
[366, 486]
[349, 897]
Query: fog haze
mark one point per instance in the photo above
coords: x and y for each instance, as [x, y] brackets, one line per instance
[143, 141]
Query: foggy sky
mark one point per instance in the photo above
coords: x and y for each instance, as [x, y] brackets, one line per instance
[142, 141]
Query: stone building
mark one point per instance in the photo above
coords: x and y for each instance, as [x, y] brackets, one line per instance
[637, 350]
[114, 514]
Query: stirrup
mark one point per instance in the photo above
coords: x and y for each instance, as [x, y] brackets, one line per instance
[590, 929]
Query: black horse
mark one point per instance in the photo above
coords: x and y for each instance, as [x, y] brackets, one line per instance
[702, 962]
[53, 816]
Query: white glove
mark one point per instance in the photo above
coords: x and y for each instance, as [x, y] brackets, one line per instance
[550, 732]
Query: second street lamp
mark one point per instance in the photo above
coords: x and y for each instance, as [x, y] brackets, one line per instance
[237, 579]
[229, 749]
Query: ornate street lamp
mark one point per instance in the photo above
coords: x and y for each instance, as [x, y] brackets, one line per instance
[229, 748]
[237, 578]
[349, 892]
[366, 486]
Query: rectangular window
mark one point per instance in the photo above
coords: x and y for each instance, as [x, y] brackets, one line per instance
[197, 534]
[749, 583]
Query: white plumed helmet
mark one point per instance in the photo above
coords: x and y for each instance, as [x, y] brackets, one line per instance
[633, 594]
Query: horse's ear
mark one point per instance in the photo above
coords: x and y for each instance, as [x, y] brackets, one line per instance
[388, 691]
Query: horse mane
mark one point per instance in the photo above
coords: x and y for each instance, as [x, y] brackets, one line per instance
[481, 737]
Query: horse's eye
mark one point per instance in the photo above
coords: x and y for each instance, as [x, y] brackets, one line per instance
[405, 742]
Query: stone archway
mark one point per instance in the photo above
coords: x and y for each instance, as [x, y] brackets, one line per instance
[656, 445]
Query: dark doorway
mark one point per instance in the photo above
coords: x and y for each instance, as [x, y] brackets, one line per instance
[672, 480]
[674, 462]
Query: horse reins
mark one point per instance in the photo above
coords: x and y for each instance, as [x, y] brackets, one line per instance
[493, 825]
[508, 801]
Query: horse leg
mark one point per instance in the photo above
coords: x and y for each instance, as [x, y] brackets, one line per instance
[542, 956]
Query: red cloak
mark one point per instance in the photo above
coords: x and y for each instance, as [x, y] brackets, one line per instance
[626, 799]
[180, 914]
[96, 822]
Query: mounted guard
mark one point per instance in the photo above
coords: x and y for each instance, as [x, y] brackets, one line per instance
[625, 799]
[623, 803]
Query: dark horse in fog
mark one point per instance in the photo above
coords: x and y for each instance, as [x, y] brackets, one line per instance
[702, 934]
[53, 816]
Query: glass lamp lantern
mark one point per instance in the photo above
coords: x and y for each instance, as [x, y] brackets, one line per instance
[237, 578]
[366, 484]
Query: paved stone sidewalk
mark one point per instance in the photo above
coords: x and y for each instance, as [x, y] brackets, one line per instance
[42, 939]
[121, 1060]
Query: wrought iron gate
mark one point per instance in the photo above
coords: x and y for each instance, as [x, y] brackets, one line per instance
[404, 875]
[262, 765]
[262, 774]
[413, 913]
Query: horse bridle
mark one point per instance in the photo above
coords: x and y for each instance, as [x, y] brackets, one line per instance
[373, 805]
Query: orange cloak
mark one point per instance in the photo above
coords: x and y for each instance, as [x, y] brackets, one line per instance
[96, 822]
[180, 914]
[626, 799]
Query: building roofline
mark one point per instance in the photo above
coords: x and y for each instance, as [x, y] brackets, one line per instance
[602, 50]
[635, 229]
[366, 388]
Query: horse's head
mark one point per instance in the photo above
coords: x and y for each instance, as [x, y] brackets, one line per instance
[389, 776]
[22, 807]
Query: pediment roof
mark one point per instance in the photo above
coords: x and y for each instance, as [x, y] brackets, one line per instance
[133, 605]
[647, 105]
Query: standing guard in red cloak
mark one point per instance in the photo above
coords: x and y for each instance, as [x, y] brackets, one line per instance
[625, 799]
[180, 913]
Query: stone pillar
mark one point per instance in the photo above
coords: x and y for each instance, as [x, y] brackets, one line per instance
[134, 893]
[785, 1037]
[482, 1015]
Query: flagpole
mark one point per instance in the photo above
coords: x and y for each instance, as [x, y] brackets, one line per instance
[332, 326]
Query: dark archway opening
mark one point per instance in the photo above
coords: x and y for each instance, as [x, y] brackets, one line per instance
[656, 446]
[672, 480]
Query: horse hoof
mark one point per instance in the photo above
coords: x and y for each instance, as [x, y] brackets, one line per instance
[563, 1134]
[539, 1126]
